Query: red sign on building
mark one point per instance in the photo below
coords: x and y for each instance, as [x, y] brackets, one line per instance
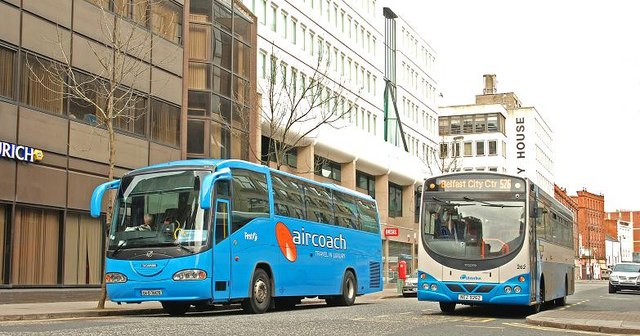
[391, 232]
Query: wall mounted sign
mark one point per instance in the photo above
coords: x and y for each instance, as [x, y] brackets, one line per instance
[20, 153]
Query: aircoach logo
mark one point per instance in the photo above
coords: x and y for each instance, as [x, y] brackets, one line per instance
[285, 241]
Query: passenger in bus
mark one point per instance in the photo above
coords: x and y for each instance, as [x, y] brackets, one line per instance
[441, 230]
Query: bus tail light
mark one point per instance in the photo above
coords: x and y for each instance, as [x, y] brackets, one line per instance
[190, 274]
[115, 277]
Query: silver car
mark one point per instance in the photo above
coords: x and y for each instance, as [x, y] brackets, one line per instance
[624, 276]
[410, 287]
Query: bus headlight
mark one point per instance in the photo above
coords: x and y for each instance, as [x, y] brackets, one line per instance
[191, 274]
[115, 277]
[425, 286]
[507, 289]
[517, 289]
[434, 287]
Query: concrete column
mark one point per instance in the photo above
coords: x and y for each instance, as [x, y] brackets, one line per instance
[349, 175]
[305, 161]
[382, 197]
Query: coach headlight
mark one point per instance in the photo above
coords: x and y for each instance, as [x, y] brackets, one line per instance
[507, 289]
[190, 274]
[517, 289]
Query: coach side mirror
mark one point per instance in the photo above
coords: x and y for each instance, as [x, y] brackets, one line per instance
[96, 198]
[208, 182]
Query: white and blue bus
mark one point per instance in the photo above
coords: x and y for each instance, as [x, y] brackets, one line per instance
[204, 232]
[489, 238]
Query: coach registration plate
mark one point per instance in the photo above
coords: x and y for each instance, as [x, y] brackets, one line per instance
[467, 297]
[151, 292]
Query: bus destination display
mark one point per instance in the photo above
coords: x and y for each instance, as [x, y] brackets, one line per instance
[480, 184]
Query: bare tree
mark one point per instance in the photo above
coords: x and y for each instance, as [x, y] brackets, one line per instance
[106, 97]
[296, 105]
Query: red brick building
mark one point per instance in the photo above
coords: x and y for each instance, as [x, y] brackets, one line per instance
[591, 230]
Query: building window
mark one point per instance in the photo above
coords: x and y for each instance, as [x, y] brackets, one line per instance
[443, 125]
[7, 59]
[271, 149]
[395, 200]
[195, 140]
[444, 150]
[367, 183]
[130, 110]
[492, 123]
[274, 18]
[41, 84]
[35, 247]
[493, 147]
[263, 65]
[82, 250]
[165, 123]
[468, 148]
[504, 149]
[166, 20]
[479, 148]
[327, 168]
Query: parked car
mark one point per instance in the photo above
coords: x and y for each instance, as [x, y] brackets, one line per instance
[410, 287]
[624, 276]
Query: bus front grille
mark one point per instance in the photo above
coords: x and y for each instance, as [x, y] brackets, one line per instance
[374, 274]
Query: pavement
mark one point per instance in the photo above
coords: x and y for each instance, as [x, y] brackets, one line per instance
[596, 321]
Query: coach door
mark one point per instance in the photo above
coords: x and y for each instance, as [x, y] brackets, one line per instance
[221, 251]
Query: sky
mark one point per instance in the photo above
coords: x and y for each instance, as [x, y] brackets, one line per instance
[576, 62]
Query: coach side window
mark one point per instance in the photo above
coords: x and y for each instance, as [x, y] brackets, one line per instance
[287, 197]
[346, 210]
[317, 202]
[368, 216]
[250, 199]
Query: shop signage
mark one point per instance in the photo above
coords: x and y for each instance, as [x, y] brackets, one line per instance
[20, 153]
[391, 232]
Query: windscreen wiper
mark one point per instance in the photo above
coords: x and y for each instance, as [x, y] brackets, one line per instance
[123, 243]
[495, 205]
[447, 202]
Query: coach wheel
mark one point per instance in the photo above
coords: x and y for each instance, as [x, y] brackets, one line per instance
[349, 291]
[175, 308]
[260, 296]
[447, 307]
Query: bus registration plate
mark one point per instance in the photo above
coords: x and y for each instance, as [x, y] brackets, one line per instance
[151, 292]
[467, 297]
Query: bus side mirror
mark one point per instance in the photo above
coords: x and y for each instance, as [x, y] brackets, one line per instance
[208, 182]
[96, 197]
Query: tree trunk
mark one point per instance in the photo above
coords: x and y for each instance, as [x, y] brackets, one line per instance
[110, 196]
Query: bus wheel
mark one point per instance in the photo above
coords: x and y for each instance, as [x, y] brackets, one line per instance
[175, 308]
[349, 291]
[260, 297]
[534, 309]
[447, 307]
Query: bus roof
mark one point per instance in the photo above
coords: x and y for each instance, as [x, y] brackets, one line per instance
[211, 163]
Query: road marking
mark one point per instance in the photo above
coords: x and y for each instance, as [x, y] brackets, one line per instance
[558, 330]
[381, 316]
[472, 326]
[480, 319]
[406, 313]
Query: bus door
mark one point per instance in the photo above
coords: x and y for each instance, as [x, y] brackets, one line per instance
[221, 272]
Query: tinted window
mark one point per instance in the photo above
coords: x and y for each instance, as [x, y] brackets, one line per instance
[346, 210]
[318, 203]
[368, 216]
[250, 199]
[288, 200]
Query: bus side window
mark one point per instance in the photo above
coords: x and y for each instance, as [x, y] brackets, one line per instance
[250, 198]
